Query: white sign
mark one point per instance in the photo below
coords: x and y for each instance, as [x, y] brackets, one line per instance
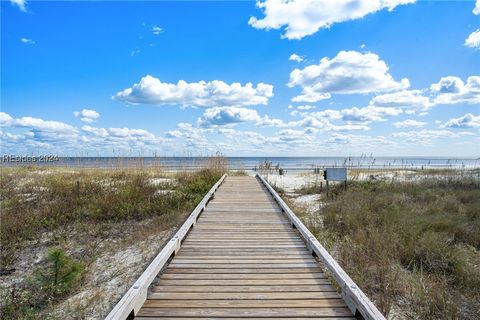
[336, 174]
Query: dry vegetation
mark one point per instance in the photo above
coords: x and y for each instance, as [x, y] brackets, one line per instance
[60, 229]
[412, 246]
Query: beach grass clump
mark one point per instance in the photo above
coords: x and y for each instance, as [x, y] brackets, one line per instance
[37, 201]
[310, 188]
[414, 247]
[238, 173]
[67, 216]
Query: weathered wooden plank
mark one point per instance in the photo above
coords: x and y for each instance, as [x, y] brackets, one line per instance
[200, 303]
[255, 210]
[254, 217]
[220, 237]
[239, 254]
[239, 204]
[244, 265]
[235, 252]
[243, 261]
[235, 192]
[227, 251]
[271, 288]
[247, 231]
[259, 234]
[246, 312]
[237, 282]
[244, 295]
[249, 252]
[242, 246]
[233, 209]
[234, 318]
[246, 222]
[243, 224]
[249, 276]
[196, 269]
[229, 244]
[245, 257]
[206, 238]
[244, 218]
[232, 202]
[244, 213]
[241, 242]
[213, 240]
[252, 227]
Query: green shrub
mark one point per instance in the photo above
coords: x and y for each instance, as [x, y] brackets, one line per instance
[47, 285]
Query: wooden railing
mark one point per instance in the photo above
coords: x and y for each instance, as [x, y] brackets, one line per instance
[353, 296]
[133, 300]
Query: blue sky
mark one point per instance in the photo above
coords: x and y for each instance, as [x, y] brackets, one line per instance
[303, 78]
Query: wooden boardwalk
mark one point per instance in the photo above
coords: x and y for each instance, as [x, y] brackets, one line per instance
[243, 259]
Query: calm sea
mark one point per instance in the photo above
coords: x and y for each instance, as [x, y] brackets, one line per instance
[249, 163]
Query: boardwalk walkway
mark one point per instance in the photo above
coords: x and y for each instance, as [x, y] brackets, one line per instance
[243, 259]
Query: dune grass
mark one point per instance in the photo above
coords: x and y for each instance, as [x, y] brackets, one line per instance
[414, 247]
[90, 206]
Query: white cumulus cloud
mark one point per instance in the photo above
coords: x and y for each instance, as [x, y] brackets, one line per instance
[87, 115]
[43, 125]
[5, 119]
[56, 135]
[466, 121]
[120, 137]
[21, 4]
[322, 120]
[156, 30]
[39, 130]
[473, 40]
[130, 133]
[151, 90]
[295, 136]
[425, 137]
[295, 57]
[305, 17]
[27, 41]
[348, 72]
[476, 10]
[452, 90]
[369, 113]
[409, 123]
[359, 140]
[266, 121]
[352, 118]
[328, 114]
[220, 116]
[411, 101]
[99, 132]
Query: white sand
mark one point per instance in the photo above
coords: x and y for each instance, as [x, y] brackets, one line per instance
[292, 181]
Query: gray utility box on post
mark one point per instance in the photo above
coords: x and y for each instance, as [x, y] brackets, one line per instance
[335, 174]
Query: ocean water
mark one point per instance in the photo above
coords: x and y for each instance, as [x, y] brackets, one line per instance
[250, 163]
